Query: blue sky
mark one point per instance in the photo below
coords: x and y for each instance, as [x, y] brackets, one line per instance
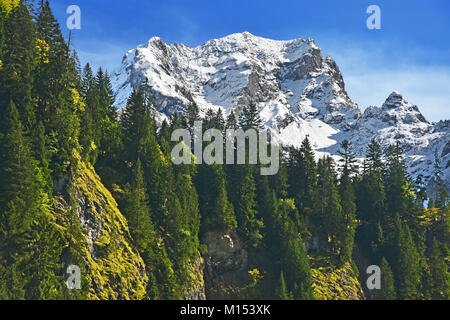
[411, 52]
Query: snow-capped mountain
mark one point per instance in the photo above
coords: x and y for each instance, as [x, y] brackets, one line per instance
[298, 91]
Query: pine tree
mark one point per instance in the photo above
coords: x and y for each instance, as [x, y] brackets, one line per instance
[308, 175]
[232, 121]
[347, 195]
[136, 119]
[280, 182]
[281, 292]
[293, 257]
[329, 220]
[406, 266]
[374, 156]
[267, 206]
[191, 115]
[397, 186]
[187, 241]
[371, 201]
[246, 214]
[250, 119]
[90, 118]
[110, 150]
[440, 283]
[387, 291]
[420, 190]
[219, 120]
[441, 195]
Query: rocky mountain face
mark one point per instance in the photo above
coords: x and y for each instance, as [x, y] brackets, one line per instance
[113, 267]
[299, 93]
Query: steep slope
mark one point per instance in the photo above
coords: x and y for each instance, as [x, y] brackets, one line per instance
[299, 93]
[113, 267]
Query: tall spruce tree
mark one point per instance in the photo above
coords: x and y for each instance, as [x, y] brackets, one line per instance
[250, 119]
[407, 263]
[293, 257]
[329, 223]
[387, 291]
[440, 283]
[247, 216]
[347, 195]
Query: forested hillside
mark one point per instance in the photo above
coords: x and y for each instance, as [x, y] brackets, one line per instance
[81, 185]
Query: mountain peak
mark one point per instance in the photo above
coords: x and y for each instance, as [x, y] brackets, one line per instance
[395, 111]
[395, 99]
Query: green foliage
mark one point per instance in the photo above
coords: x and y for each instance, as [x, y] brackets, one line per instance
[406, 264]
[59, 122]
[302, 172]
[18, 50]
[30, 241]
[216, 210]
[249, 118]
[282, 293]
[55, 92]
[293, 257]
[440, 278]
[246, 214]
[387, 291]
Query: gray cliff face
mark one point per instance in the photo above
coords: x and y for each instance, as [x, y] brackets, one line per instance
[226, 265]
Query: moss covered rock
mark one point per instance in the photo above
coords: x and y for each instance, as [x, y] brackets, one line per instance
[113, 268]
[332, 282]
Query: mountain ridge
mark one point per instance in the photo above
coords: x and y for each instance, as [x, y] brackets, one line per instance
[299, 93]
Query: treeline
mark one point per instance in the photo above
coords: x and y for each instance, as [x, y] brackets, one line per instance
[53, 111]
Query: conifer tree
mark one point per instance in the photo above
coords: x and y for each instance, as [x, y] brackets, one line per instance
[89, 131]
[282, 293]
[347, 195]
[387, 291]
[191, 115]
[440, 283]
[329, 219]
[250, 119]
[232, 121]
[441, 195]
[246, 212]
[406, 266]
[294, 261]
[302, 184]
[398, 188]
[374, 156]
[136, 119]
